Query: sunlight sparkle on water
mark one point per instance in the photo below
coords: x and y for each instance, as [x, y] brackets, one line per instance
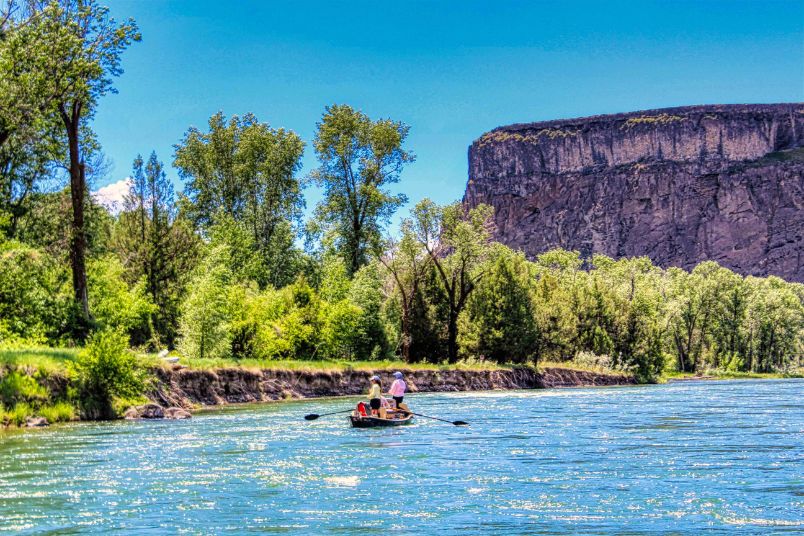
[725, 457]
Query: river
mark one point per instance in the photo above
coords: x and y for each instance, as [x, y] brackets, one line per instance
[679, 458]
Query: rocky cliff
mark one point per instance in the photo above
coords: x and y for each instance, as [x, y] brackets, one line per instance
[680, 185]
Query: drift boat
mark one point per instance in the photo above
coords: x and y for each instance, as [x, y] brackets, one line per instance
[362, 418]
[360, 421]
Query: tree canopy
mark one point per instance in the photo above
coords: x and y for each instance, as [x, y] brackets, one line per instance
[359, 158]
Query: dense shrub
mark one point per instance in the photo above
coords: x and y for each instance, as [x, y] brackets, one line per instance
[104, 370]
[115, 304]
[58, 412]
[33, 305]
[15, 416]
[16, 387]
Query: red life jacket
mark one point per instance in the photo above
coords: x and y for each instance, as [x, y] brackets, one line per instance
[361, 409]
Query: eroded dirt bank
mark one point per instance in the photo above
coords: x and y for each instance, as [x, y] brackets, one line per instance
[182, 387]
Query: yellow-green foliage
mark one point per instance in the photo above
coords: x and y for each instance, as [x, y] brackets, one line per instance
[49, 361]
[337, 365]
[661, 119]
[58, 412]
[499, 136]
[113, 303]
[15, 416]
[105, 370]
[17, 387]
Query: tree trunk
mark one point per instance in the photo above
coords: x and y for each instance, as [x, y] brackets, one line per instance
[78, 239]
[452, 334]
[406, 338]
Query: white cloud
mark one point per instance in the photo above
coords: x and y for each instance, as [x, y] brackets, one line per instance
[111, 195]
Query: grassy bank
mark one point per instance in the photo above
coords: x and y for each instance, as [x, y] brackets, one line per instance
[34, 382]
[731, 375]
[331, 365]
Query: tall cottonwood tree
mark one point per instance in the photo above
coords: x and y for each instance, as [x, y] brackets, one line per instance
[458, 242]
[30, 139]
[25, 98]
[245, 170]
[358, 158]
[83, 47]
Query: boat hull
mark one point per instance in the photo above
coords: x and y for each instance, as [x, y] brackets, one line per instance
[376, 422]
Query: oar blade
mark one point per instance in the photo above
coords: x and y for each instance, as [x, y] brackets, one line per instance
[460, 423]
[311, 417]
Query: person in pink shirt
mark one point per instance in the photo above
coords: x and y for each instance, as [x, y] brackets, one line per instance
[398, 388]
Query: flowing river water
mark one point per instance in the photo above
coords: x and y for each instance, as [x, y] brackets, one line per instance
[681, 458]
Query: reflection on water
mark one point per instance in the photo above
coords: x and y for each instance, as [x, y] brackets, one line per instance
[681, 458]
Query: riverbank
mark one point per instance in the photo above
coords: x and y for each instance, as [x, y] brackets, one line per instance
[38, 382]
[38, 385]
[188, 388]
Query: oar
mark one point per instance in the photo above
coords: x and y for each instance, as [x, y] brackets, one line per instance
[314, 416]
[456, 423]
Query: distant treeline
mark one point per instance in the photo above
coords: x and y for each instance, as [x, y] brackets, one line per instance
[219, 271]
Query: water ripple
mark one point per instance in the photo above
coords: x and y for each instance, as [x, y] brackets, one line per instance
[721, 457]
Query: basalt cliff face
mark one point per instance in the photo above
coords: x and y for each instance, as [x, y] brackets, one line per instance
[680, 185]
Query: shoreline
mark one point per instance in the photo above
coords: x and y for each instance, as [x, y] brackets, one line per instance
[174, 391]
[190, 389]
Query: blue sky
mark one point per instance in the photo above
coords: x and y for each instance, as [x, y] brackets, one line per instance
[451, 70]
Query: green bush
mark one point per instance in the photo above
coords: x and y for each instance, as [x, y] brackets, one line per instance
[340, 332]
[499, 323]
[17, 415]
[32, 304]
[114, 304]
[17, 387]
[105, 370]
[58, 412]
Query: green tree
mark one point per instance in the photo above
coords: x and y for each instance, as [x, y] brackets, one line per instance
[117, 305]
[725, 340]
[639, 330]
[499, 318]
[83, 46]
[365, 292]
[774, 320]
[155, 245]
[27, 159]
[557, 298]
[458, 243]
[47, 221]
[695, 302]
[238, 249]
[206, 315]
[26, 101]
[359, 158]
[32, 304]
[407, 264]
[429, 320]
[245, 170]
